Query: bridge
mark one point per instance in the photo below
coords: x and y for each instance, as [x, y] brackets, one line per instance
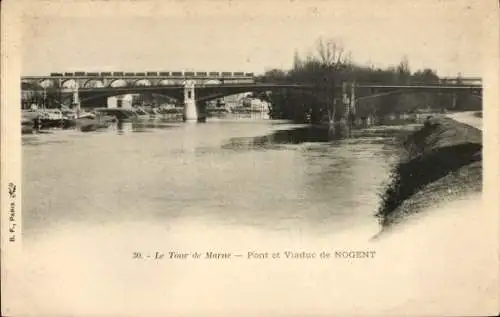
[195, 88]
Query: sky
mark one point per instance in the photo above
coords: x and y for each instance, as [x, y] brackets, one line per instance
[251, 36]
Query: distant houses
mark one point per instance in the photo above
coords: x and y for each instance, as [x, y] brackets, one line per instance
[241, 105]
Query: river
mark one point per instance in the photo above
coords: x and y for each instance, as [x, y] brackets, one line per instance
[262, 174]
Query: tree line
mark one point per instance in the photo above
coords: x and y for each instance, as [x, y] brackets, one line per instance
[330, 66]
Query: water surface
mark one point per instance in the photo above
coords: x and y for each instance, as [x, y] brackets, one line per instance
[263, 174]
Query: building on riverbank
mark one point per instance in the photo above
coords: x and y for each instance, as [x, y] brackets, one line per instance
[125, 101]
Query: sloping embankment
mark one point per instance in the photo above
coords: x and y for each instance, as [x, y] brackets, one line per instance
[441, 161]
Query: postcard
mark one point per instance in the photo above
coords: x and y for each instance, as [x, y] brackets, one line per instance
[249, 158]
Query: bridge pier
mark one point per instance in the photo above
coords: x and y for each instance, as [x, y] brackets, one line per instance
[349, 101]
[76, 100]
[351, 115]
[353, 98]
[190, 108]
[345, 99]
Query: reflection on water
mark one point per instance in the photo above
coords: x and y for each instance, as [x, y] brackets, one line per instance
[123, 127]
[320, 134]
[143, 126]
[259, 174]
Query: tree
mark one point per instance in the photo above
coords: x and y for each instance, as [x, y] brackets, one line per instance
[332, 55]
[403, 71]
[275, 75]
[328, 66]
[297, 62]
[425, 76]
[335, 65]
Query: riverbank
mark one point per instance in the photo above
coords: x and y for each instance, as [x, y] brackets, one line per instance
[439, 163]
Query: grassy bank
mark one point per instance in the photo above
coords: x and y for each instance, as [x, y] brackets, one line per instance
[440, 162]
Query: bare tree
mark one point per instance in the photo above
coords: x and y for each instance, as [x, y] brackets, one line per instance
[332, 55]
[297, 62]
[335, 62]
[403, 71]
